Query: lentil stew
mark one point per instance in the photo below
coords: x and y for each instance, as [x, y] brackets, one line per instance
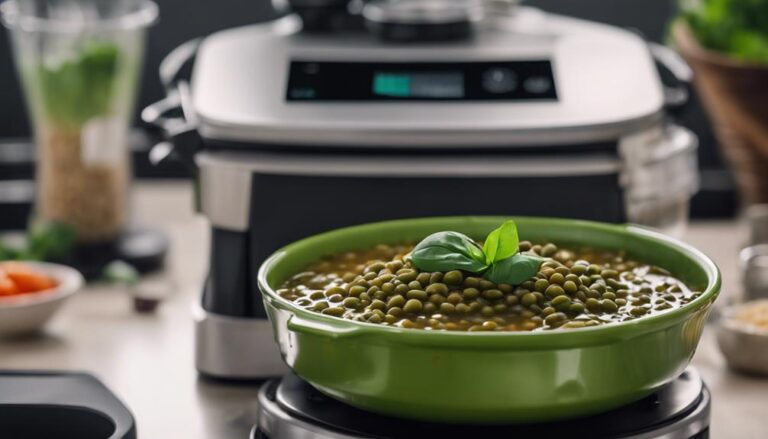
[573, 288]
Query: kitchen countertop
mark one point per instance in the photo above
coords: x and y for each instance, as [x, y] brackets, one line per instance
[147, 360]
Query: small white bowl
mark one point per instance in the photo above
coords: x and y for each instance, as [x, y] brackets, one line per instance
[744, 346]
[29, 312]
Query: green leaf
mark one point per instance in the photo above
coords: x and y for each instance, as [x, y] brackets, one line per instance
[80, 87]
[501, 243]
[8, 252]
[514, 270]
[737, 28]
[49, 240]
[445, 251]
[120, 272]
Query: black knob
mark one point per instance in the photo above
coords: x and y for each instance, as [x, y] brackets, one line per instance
[422, 20]
[499, 80]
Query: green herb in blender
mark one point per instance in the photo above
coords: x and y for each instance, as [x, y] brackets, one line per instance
[80, 88]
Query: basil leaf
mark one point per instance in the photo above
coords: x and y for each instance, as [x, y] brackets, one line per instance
[445, 251]
[501, 243]
[120, 272]
[514, 270]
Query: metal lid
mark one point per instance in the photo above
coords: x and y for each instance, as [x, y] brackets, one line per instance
[423, 11]
[606, 80]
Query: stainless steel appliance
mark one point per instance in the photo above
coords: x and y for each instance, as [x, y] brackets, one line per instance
[411, 109]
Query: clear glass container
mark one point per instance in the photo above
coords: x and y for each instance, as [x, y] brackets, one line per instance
[659, 177]
[79, 63]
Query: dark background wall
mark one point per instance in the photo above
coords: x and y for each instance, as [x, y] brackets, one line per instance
[184, 19]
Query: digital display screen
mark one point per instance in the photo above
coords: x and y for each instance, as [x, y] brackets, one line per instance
[419, 85]
[324, 81]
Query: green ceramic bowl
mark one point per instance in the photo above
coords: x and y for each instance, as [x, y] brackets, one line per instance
[497, 377]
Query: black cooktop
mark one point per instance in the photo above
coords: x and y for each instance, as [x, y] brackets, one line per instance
[293, 408]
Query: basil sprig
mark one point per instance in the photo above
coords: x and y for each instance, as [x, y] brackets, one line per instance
[499, 260]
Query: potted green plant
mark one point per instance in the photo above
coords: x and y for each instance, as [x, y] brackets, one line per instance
[726, 44]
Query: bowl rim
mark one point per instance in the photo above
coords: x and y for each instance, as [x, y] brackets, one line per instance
[330, 326]
[69, 282]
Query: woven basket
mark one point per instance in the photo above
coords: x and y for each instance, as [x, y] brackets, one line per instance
[735, 95]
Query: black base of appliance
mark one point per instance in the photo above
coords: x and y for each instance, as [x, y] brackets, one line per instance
[291, 408]
[37, 405]
[143, 248]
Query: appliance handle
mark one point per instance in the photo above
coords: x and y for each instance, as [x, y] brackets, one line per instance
[172, 66]
[182, 140]
[677, 95]
[156, 114]
[173, 114]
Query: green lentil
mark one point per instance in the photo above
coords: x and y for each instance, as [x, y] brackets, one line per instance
[555, 319]
[437, 299]
[608, 306]
[592, 304]
[334, 311]
[453, 277]
[462, 308]
[417, 294]
[437, 288]
[493, 294]
[436, 277]
[471, 293]
[407, 276]
[554, 291]
[548, 250]
[455, 298]
[557, 278]
[447, 308]
[570, 287]
[529, 299]
[351, 302]
[396, 302]
[472, 282]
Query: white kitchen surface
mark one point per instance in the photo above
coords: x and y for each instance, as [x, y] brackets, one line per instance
[147, 359]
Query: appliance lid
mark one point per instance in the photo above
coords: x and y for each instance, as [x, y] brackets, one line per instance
[534, 78]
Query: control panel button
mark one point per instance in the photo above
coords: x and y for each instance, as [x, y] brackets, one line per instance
[499, 80]
[537, 85]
